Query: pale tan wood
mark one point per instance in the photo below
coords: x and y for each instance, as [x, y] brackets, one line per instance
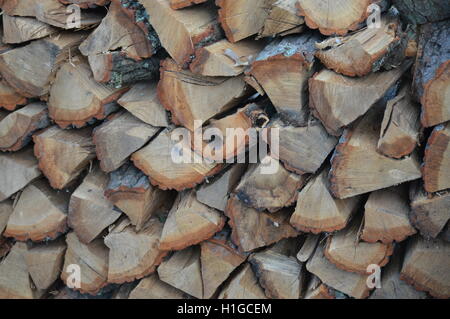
[318, 211]
[436, 167]
[44, 263]
[30, 69]
[253, 229]
[352, 284]
[241, 19]
[23, 29]
[18, 169]
[386, 216]
[269, 191]
[133, 255]
[179, 4]
[280, 276]
[286, 246]
[189, 222]
[90, 212]
[16, 128]
[63, 154]
[244, 285]
[152, 287]
[9, 98]
[142, 101]
[119, 137]
[358, 168]
[425, 266]
[6, 209]
[190, 97]
[40, 213]
[282, 20]
[338, 100]
[86, 4]
[224, 58]
[76, 98]
[308, 247]
[317, 290]
[156, 161]
[183, 271]
[92, 260]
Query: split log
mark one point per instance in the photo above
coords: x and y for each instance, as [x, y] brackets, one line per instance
[119, 137]
[153, 288]
[30, 69]
[63, 154]
[179, 4]
[90, 212]
[244, 285]
[142, 101]
[23, 29]
[189, 223]
[282, 20]
[219, 259]
[242, 18]
[352, 284]
[318, 211]
[308, 247]
[280, 276]
[183, 31]
[129, 189]
[18, 169]
[386, 216]
[399, 133]
[273, 192]
[44, 263]
[436, 167]
[39, 214]
[9, 98]
[425, 266]
[6, 209]
[92, 260]
[224, 58]
[183, 271]
[157, 162]
[17, 128]
[216, 193]
[283, 69]
[347, 252]
[253, 229]
[317, 290]
[287, 246]
[432, 73]
[77, 99]
[313, 141]
[190, 97]
[429, 212]
[133, 255]
[338, 100]
[358, 168]
[334, 17]
[423, 11]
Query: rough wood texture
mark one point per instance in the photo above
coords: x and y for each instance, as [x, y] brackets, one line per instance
[16, 128]
[432, 73]
[425, 266]
[282, 20]
[133, 255]
[318, 211]
[23, 29]
[9, 98]
[358, 168]
[423, 11]
[39, 214]
[153, 288]
[436, 167]
[85, 4]
[90, 212]
[317, 290]
[283, 69]
[308, 247]
[253, 229]
[6, 209]
[63, 154]
[338, 100]
[244, 285]
[190, 97]
[189, 222]
[386, 216]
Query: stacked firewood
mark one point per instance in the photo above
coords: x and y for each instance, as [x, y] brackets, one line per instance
[93, 205]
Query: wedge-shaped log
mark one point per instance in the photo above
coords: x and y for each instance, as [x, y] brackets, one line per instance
[308, 247]
[244, 285]
[189, 222]
[23, 29]
[317, 290]
[133, 255]
[9, 98]
[282, 20]
[90, 212]
[6, 209]
[423, 11]
[190, 97]
[153, 288]
[39, 214]
[318, 211]
[358, 168]
[63, 154]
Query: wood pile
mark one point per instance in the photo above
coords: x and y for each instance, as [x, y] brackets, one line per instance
[352, 97]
